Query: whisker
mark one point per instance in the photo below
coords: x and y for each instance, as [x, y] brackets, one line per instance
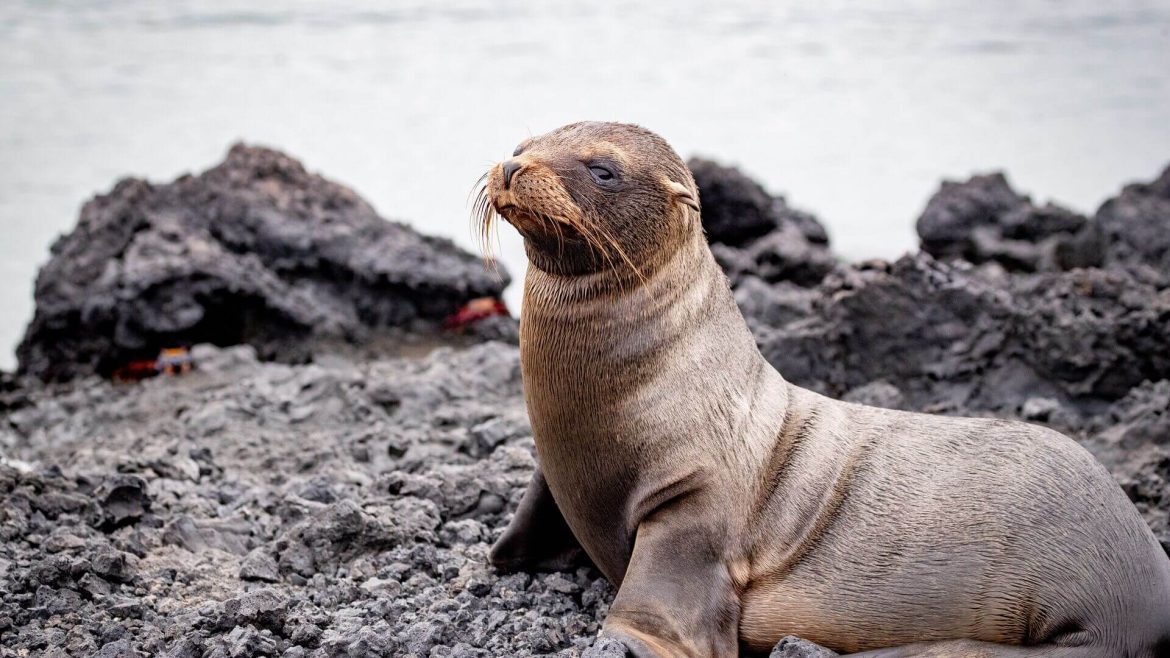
[478, 187]
[483, 220]
[622, 253]
[596, 245]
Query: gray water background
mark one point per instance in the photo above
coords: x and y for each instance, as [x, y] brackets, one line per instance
[854, 110]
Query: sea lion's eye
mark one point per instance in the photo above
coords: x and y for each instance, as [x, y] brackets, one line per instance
[600, 174]
[518, 151]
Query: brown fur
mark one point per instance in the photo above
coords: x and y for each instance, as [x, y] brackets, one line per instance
[731, 508]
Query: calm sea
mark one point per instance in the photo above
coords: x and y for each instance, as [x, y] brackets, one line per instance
[854, 110]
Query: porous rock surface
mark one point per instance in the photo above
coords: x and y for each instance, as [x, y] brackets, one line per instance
[265, 509]
[255, 250]
[1136, 224]
[985, 220]
[345, 507]
[755, 234]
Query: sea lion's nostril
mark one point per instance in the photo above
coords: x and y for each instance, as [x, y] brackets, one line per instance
[510, 169]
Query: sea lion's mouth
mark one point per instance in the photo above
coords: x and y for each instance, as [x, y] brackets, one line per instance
[508, 210]
[517, 215]
[503, 202]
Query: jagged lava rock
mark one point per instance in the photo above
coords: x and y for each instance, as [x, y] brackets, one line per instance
[983, 220]
[363, 495]
[753, 233]
[255, 250]
[950, 339]
[794, 647]
[1137, 225]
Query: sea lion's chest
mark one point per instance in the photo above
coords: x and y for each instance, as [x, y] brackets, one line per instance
[583, 443]
[605, 424]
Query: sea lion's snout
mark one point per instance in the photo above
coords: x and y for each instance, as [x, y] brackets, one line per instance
[509, 169]
[528, 193]
[500, 190]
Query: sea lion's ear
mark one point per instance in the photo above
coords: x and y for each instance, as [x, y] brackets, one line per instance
[682, 194]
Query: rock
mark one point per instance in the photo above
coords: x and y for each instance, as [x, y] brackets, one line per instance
[606, 647]
[782, 255]
[1140, 419]
[255, 251]
[263, 608]
[495, 431]
[879, 393]
[949, 339]
[123, 500]
[338, 532]
[736, 209]
[1040, 409]
[198, 536]
[318, 490]
[755, 234]
[117, 649]
[246, 641]
[957, 209]
[1136, 224]
[112, 565]
[259, 565]
[125, 608]
[984, 220]
[94, 586]
[421, 636]
[13, 393]
[464, 531]
[778, 304]
[63, 541]
[794, 647]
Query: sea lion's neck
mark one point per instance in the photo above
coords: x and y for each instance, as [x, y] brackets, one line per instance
[617, 314]
[602, 355]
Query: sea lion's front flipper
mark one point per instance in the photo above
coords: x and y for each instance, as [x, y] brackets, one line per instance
[677, 597]
[537, 539]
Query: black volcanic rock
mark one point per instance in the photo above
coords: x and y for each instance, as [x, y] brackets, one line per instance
[785, 254]
[736, 209]
[1137, 226]
[754, 233]
[984, 220]
[123, 500]
[255, 250]
[957, 209]
[950, 339]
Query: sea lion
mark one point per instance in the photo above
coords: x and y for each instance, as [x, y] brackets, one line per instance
[731, 508]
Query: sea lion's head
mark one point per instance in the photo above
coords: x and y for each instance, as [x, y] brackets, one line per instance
[594, 196]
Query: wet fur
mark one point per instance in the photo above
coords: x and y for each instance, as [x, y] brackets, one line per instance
[732, 508]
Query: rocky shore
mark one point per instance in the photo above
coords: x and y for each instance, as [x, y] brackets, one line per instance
[327, 480]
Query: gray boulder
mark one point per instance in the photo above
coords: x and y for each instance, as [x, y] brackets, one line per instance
[794, 647]
[256, 250]
[1136, 224]
[949, 339]
[984, 220]
[753, 233]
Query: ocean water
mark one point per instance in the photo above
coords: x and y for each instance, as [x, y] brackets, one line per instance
[853, 110]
